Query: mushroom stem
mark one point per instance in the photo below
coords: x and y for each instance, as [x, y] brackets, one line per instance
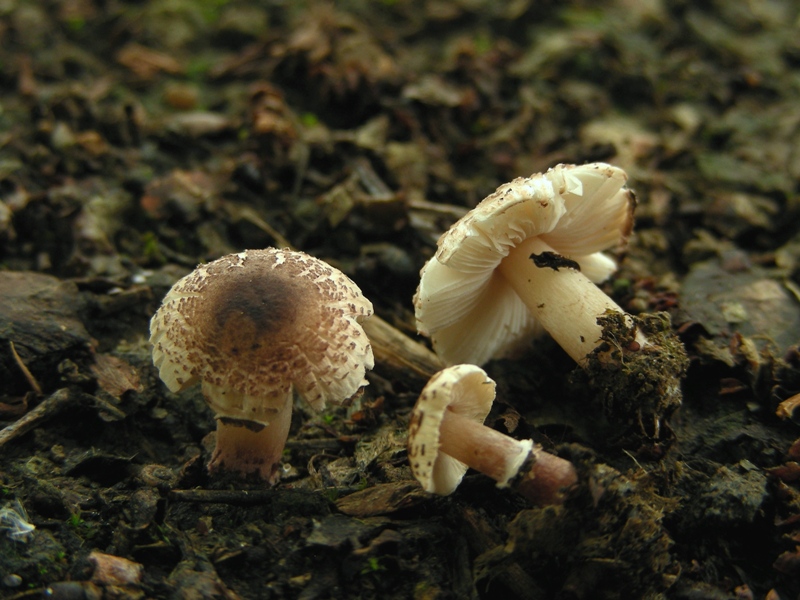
[482, 448]
[547, 479]
[564, 300]
[505, 459]
[249, 446]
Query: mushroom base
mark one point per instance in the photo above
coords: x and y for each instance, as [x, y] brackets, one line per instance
[639, 387]
[547, 479]
[248, 447]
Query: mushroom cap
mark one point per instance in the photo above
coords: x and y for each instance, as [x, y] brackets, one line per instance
[463, 389]
[253, 326]
[470, 312]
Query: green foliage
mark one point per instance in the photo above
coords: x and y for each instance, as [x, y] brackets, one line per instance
[309, 119]
[197, 68]
[150, 250]
[373, 566]
[210, 9]
[76, 24]
[75, 521]
[483, 42]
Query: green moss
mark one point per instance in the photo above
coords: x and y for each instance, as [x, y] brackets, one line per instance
[211, 9]
[76, 24]
[373, 565]
[640, 387]
[198, 68]
[309, 119]
[75, 521]
[621, 286]
[330, 494]
[483, 42]
[607, 541]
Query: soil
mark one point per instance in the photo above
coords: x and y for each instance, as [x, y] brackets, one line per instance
[139, 138]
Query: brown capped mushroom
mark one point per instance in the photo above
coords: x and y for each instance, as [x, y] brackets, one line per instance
[447, 436]
[526, 259]
[253, 328]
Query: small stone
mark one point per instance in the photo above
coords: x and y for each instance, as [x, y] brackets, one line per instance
[12, 580]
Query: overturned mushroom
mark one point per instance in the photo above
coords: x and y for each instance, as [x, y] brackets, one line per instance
[447, 436]
[253, 328]
[526, 259]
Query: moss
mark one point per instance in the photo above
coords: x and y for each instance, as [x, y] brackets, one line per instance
[640, 387]
[606, 541]
[37, 562]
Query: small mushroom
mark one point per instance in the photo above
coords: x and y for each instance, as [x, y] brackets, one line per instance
[253, 328]
[526, 259]
[447, 436]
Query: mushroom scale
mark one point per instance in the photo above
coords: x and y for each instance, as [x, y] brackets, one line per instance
[255, 326]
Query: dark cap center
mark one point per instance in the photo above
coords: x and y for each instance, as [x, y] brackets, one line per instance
[253, 311]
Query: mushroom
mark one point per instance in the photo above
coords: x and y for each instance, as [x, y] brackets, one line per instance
[447, 436]
[527, 259]
[253, 328]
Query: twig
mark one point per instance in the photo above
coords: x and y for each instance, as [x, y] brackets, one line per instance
[316, 444]
[25, 371]
[241, 497]
[46, 410]
[633, 458]
[397, 351]
[247, 213]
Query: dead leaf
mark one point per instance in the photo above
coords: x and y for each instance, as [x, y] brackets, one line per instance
[115, 376]
[788, 563]
[114, 570]
[145, 62]
[794, 450]
[787, 407]
[382, 499]
[788, 472]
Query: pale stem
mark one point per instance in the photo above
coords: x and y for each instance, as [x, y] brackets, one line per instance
[480, 447]
[564, 301]
[247, 446]
[501, 457]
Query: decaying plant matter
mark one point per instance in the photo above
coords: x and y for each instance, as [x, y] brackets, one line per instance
[139, 139]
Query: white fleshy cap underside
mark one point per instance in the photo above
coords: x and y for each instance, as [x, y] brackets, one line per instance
[470, 312]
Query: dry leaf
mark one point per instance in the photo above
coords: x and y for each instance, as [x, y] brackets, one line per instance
[115, 376]
[787, 407]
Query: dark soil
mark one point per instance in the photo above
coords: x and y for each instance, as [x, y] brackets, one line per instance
[139, 138]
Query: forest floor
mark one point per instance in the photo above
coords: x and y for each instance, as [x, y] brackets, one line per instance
[141, 138]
